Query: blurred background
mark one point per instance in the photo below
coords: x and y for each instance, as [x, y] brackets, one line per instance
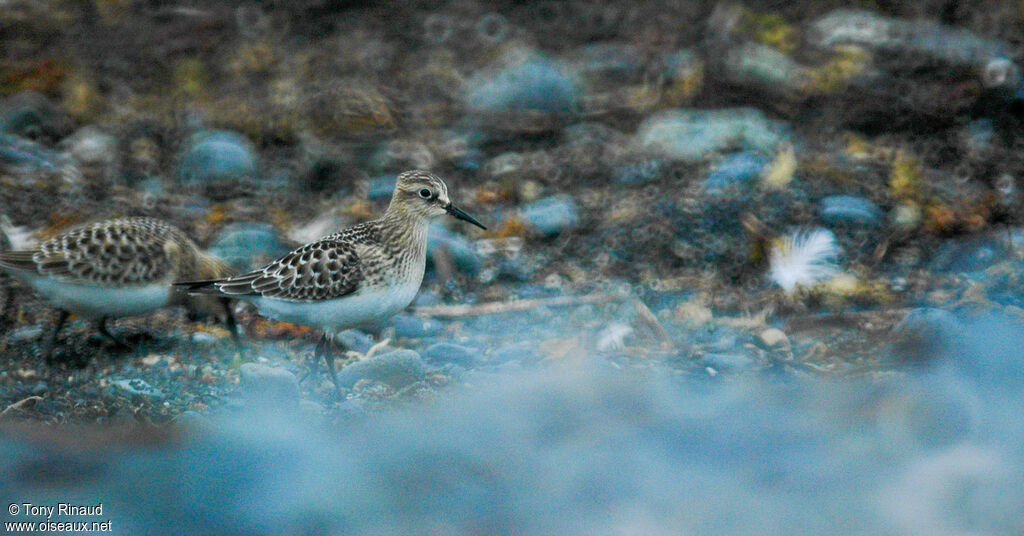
[749, 268]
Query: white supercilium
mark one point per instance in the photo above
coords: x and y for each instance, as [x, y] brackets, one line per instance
[804, 258]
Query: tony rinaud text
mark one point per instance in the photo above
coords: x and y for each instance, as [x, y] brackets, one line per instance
[60, 509]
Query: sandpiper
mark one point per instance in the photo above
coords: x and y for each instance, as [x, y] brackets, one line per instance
[360, 275]
[113, 268]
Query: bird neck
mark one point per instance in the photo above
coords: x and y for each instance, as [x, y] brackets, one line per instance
[404, 227]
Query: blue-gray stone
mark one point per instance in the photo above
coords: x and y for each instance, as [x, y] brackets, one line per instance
[217, 156]
[31, 114]
[471, 160]
[850, 210]
[353, 339]
[17, 151]
[978, 135]
[552, 215]
[446, 353]
[736, 171]
[381, 188]
[728, 361]
[926, 334]
[246, 245]
[692, 135]
[610, 61]
[137, 387]
[639, 172]
[413, 327]
[970, 254]
[397, 369]
[458, 247]
[263, 384]
[537, 84]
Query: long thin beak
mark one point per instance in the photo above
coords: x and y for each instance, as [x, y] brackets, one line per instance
[458, 214]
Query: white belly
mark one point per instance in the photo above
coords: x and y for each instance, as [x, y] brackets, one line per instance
[364, 307]
[89, 300]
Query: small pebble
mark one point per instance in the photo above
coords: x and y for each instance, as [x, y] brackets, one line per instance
[264, 384]
[445, 353]
[552, 215]
[774, 338]
[413, 327]
[137, 387]
[396, 369]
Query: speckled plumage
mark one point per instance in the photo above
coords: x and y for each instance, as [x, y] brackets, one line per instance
[361, 274]
[369, 257]
[117, 267]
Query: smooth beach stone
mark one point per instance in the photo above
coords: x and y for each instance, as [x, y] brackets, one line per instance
[217, 156]
[536, 84]
[850, 210]
[552, 215]
[397, 369]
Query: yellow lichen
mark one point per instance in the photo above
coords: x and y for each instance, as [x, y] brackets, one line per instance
[112, 11]
[81, 98]
[684, 85]
[836, 74]
[190, 77]
[780, 172]
[905, 176]
[770, 29]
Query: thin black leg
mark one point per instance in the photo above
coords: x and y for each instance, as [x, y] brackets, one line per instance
[229, 319]
[101, 326]
[7, 315]
[62, 317]
[323, 349]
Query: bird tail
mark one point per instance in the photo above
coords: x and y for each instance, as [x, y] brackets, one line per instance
[18, 260]
[206, 287]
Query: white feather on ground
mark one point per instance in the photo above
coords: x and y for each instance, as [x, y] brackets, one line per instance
[804, 258]
[21, 238]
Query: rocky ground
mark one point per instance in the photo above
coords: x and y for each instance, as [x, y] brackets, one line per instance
[638, 168]
[650, 167]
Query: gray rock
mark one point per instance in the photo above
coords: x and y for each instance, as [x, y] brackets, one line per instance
[265, 384]
[925, 335]
[413, 327]
[730, 361]
[552, 215]
[247, 245]
[639, 172]
[851, 211]
[915, 39]
[763, 67]
[459, 249]
[21, 152]
[217, 156]
[381, 188]
[396, 369]
[137, 387]
[970, 255]
[30, 114]
[693, 135]
[26, 334]
[736, 171]
[354, 339]
[537, 84]
[445, 353]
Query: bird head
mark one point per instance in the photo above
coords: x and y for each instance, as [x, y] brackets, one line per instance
[424, 194]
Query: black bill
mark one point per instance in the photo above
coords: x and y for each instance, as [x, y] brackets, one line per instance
[459, 214]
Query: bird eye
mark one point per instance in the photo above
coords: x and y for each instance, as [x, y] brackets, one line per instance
[425, 193]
